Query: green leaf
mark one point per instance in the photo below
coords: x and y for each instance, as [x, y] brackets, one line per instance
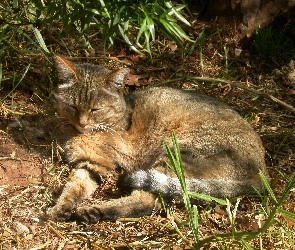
[268, 188]
[289, 187]
[86, 22]
[176, 165]
[196, 216]
[126, 39]
[141, 31]
[255, 98]
[286, 213]
[147, 41]
[180, 32]
[151, 27]
[126, 26]
[40, 39]
[207, 198]
[175, 11]
[94, 11]
[167, 29]
[246, 245]
[105, 8]
[15, 4]
[170, 156]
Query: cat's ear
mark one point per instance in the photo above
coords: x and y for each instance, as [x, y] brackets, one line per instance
[118, 78]
[65, 69]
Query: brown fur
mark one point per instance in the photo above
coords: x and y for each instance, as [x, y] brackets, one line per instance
[221, 153]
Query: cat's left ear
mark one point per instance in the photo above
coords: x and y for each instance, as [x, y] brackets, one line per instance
[118, 78]
[65, 68]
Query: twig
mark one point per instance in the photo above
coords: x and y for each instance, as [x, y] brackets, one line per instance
[180, 233]
[174, 227]
[142, 245]
[11, 158]
[238, 237]
[55, 231]
[148, 220]
[20, 195]
[232, 83]
[274, 99]
[86, 239]
[97, 57]
[12, 111]
[129, 219]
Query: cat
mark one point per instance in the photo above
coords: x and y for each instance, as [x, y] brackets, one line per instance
[123, 135]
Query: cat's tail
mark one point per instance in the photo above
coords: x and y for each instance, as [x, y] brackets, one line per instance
[155, 182]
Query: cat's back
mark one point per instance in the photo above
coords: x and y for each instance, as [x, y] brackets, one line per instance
[211, 134]
[185, 108]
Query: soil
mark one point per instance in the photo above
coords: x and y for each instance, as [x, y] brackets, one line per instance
[32, 172]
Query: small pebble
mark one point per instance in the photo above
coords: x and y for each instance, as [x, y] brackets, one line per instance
[20, 228]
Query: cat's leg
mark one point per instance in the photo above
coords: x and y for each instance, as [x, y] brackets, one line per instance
[80, 186]
[138, 204]
[93, 160]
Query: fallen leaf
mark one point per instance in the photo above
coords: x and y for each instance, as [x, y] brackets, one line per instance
[290, 91]
[133, 80]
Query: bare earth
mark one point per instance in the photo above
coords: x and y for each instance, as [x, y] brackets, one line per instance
[32, 172]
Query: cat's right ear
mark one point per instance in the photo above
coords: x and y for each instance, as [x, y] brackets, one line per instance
[65, 70]
[118, 77]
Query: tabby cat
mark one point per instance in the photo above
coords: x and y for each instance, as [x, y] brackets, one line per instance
[123, 135]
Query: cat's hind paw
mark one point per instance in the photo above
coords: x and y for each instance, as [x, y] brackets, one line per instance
[89, 215]
[57, 214]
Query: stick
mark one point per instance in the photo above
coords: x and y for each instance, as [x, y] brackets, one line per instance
[234, 84]
[56, 232]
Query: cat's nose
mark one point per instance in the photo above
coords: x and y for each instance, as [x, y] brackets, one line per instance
[82, 125]
[83, 121]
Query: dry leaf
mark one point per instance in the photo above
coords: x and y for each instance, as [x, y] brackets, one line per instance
[133, 80]
[290, 91]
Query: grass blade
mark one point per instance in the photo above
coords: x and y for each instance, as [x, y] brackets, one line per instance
[141, 31]
[175, 11]
[0, 74]
[176, 165]
[151, 27]
[290, 186]
[268, 188]
[286, 213]
[207, 198]
[126, 39]
[40, 39]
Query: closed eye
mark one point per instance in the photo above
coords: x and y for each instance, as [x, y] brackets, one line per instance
[97, 109]
[74, 108]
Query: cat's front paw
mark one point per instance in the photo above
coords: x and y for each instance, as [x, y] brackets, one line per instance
[57, 214]
[89, 215]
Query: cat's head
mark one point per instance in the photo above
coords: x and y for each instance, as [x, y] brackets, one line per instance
[89, 96]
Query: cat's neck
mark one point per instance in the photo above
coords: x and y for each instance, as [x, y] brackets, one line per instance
[125, 123]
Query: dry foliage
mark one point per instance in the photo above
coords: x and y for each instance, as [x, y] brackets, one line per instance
[32, 172]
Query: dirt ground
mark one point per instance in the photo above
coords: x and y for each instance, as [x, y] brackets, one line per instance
[32, 172]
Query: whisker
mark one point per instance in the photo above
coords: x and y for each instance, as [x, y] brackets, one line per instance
[104, 127]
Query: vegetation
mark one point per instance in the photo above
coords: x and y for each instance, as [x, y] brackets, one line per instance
[26, 27]
[162, 40]
[136, 22]
[269, 42]
[271, 210]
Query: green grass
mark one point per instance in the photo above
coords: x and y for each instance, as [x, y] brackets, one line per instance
[272, 211]
[136, 22]
[33, 28]
[269, 42]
